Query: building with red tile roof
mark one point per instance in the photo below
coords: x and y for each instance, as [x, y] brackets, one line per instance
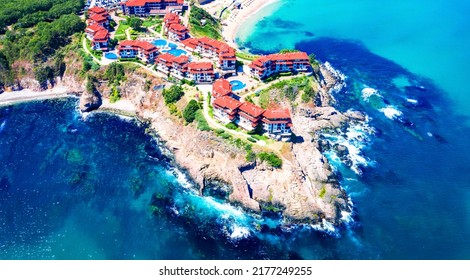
[97, 11]
[151, 7]
[173, 28]
[144, 51]
[217, 50]
[200, 72]
[277, 123]
[100, 19]
[226, 109]
[265, 66]
[175, 66]
[221, 87]
[249, 116]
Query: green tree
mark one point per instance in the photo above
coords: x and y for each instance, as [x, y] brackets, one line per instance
[189, 113]
[173, 94]
[90, 84]
[135, 23]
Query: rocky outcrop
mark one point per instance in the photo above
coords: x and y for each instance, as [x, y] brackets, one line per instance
[90, 101]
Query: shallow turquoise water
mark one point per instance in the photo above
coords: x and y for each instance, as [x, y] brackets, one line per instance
[412, 200]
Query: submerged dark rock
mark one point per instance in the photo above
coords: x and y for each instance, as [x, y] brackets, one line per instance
[4, 184]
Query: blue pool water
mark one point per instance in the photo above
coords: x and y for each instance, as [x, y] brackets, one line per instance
[176, 52]
[237, 85]
[160, 43]
[172, 45]
[110, 56]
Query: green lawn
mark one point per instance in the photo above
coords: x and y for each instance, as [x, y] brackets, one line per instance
[246, 56]
[121, 30]
[151, 21]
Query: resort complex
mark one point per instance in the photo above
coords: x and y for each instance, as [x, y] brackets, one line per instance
[151, 7]
[276, 123]
[265, 66]
[176, 56]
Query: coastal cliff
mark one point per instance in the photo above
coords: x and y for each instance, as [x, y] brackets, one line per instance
[305, 189]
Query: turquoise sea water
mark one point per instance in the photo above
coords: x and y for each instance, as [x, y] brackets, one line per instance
[406, 65]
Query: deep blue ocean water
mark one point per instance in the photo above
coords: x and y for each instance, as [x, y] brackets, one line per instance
[406, 65]
[99, 187]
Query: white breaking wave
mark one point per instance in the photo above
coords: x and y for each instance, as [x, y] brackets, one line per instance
[368, 92]
[391, 112]
[239, 232]
[2, 126]
[354, 139]
[340, 77]
[412, 101]
[326, 227]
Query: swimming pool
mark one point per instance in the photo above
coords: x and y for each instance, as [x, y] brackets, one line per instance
[237, 85]
[176, 52]
[110, 55]
[160, 43]
[172, 45]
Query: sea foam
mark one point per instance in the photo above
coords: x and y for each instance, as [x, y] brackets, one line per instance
[391, 112]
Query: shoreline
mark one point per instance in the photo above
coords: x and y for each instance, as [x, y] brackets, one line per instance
[230, 31]
[27, 95]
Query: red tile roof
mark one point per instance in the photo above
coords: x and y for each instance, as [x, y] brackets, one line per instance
[140, 3]
[94, 28]
[166, 57]
[101, 35]
[146, 46]
[251, 109]
[190, 43]
[171, 17]
[182, 59]
[227, 103]
[97, 10]
[222, 87]
[285, 58]
[276, 114]
[200, 65]
[98, 17]
[178, 27]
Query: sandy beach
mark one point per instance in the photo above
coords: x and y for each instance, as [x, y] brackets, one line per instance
[11, 97]
[249, 7]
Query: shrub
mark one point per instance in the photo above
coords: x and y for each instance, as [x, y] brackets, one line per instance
[115, 96]
[189, 113]
[251, 139]
[201, 121]
[173, 94]
[271, 158]
[231, 126]
[219, 131]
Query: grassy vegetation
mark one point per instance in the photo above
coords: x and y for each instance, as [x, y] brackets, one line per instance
[201, 121]
[288, 89]
[271, 158]
[151, 21]
[211, 28]
[322, 192]
[246, 56]
[121, 30]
